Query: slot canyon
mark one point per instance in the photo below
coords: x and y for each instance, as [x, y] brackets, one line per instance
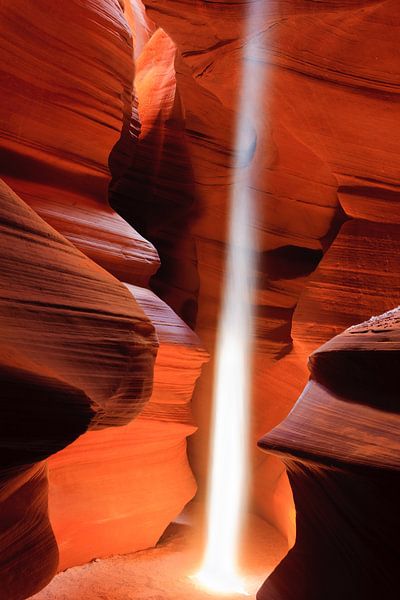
[128, 128]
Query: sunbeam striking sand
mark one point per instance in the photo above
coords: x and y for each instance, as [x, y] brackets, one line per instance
[229, 438]
[162, 573]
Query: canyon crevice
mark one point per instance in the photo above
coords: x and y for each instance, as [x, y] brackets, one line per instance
[117, 146]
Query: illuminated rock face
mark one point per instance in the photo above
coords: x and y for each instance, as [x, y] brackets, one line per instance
[323, 150]
[67, 93]
[326, 151]
[161, 175]
[123, 486]
[77, 350]
[341, 448]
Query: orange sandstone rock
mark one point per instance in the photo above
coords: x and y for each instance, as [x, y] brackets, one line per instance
[67, 77]
[340, 444]
[325, 148]
[68, 112]
[124, 485]
[76, 352]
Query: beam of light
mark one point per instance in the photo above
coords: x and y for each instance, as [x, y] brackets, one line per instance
[229, 458]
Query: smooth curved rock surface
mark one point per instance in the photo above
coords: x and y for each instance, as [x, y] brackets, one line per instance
[124, 486]
[26, 536]
[67, 113]
[358, 276]
[76, 352]
[160, 175]
[323, 149]
[327, 151]
[342, 455]
[67, 76]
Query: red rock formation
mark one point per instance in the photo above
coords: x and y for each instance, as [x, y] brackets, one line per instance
[358, 276]
[325, 147]
[76, 352]
[67, 91]
[124, 486]
[160, 174]
[76, 333]
[26, 536]
[322, 149]
[341, 447]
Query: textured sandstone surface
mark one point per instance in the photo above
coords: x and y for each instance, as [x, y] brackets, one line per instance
[323, 153]
[341, 447]
[160, 175]
[76, 352]
[65, 314]
[325, 149]
[66, 80]
[123, 486]
[358, 276]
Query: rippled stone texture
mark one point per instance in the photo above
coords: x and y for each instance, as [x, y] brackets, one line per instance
[66, 76]
[160, 176]
[341, 448]
[124, 486]
[76, 352]
[324, 149]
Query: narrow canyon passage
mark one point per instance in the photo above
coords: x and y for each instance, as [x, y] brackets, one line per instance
[156, 154]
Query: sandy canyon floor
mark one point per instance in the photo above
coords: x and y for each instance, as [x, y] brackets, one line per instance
[164, 572]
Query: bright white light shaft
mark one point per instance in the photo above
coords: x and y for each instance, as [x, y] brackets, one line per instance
[230, 423]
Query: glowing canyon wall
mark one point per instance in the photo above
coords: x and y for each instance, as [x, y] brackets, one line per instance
[324, 153]
[106, 183]
[78, 347]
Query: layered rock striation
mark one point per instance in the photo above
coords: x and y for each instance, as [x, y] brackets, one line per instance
[340, 444]
[322, 149]
[77, 352]
[123, 486]
[67, 78]
[77, 349]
